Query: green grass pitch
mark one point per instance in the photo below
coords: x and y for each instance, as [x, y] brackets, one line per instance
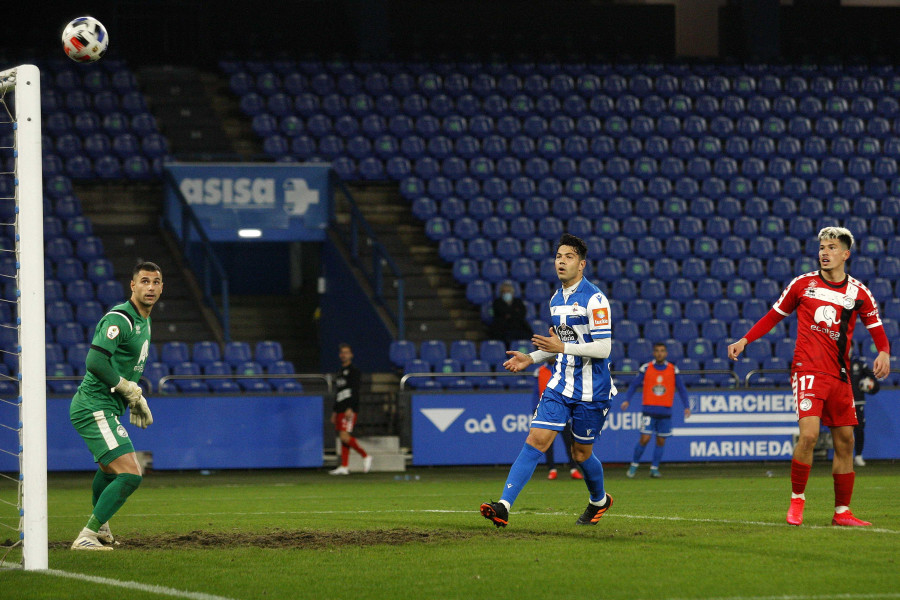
[702, 531]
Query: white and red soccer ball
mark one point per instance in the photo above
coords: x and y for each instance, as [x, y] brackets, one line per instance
[85, 39]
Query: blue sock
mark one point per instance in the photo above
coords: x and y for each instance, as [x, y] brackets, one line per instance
[657, 455]
[638, 452]
[520, 472]
[593, 477]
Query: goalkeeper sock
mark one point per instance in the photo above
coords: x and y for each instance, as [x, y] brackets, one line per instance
[355, 445]
[101, 480]
[112, 498]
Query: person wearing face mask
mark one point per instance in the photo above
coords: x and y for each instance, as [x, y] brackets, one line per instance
[509, 317]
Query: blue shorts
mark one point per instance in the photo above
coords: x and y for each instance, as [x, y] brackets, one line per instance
[661, 426]
[554, 410]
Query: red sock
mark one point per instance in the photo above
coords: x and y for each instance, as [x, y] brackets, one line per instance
[843, 488]
[352, 443]
[799, 476]
[345, 454]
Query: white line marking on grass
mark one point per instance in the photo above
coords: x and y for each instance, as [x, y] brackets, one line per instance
[544, 514]
[133, 585]
[806, 597]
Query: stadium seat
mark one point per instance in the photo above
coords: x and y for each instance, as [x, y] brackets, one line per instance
[287, 384]
[267, 352]
[252, 384]
[174, 353]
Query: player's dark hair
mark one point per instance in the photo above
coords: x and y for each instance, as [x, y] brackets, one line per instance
[146, 266]
[567, 239]
[658, 344]
[347, 346]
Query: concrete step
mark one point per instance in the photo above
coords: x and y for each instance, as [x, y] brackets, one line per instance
[381, 463]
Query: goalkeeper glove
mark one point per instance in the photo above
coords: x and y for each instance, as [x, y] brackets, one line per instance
[140, 414]
[129, 390]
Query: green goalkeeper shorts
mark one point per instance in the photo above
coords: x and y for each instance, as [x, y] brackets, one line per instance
[106, 438]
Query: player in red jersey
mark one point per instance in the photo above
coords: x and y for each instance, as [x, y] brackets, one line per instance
[827, 302]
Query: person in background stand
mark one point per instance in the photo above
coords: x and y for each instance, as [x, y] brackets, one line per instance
[542, 376]
[509, 317]
[346, 409]
[864, 382]
[660, 381]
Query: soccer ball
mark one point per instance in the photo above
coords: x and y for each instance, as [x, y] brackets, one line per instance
[85, 39]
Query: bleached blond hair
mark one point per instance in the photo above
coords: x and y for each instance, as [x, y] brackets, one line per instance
[837, 233]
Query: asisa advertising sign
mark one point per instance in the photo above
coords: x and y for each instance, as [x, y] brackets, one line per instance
[271, 202]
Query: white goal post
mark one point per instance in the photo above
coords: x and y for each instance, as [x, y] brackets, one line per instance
[20, 110]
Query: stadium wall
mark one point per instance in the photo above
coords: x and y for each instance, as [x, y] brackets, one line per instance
[269, 431]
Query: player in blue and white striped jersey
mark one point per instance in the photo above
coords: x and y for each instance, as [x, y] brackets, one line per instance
[580, 389]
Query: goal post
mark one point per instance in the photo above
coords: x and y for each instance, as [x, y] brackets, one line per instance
[22, 115]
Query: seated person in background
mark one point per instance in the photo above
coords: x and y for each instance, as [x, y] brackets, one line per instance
[509, 317]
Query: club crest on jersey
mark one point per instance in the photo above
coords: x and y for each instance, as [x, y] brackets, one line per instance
[848, 302]
[566, 333]
[811, 289]
[112, 332]
[826, 314]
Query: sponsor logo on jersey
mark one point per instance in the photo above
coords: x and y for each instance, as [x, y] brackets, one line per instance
[811, 289]
[112, 332]
[601, 317]
[826, 314]
[566, 333]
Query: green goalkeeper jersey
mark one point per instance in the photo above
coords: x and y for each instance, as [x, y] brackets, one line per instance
[124, 336]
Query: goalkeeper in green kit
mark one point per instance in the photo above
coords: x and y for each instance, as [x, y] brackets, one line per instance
[115, 363]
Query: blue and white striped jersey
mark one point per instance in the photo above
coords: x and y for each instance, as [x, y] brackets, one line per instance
[581, 318]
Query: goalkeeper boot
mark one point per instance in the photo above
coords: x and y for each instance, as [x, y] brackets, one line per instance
[496, 513]
[654, 472]
[846, 519]
[632, 470]
[105, 535]
[795, 512]
[592, 513]
[87, 540]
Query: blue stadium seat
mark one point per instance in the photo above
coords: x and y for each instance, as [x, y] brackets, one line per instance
[640, 311]
[268, 352]
[401, 352]
[700, 349]
[173, 353]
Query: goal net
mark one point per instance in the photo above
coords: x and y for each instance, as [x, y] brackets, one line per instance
[23, 431]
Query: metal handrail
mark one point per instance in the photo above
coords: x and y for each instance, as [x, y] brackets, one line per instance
[189, 222]
[327, 378]
[380, 259]
[408, 376]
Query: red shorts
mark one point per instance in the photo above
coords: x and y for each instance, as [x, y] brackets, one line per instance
[344, 423]
[824, 396]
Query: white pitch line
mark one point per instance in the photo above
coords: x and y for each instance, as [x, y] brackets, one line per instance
[806, 597]
[540, 514]
[134, 585]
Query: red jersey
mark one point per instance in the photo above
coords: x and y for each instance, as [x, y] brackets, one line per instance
[826, 316]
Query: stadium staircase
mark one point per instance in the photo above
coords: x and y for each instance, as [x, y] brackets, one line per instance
[191, 114]
[126, 219]
[436, 307]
